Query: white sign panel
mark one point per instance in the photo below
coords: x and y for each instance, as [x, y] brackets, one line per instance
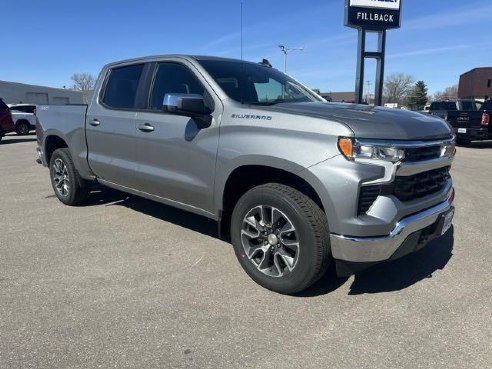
[380, 4]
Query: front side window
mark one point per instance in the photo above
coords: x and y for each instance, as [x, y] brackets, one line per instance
[256, 84]
[121, 87]
[173, 78]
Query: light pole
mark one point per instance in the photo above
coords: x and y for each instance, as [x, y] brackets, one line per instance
[286, 50]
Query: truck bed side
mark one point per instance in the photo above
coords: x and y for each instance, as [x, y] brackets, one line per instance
[63, 126]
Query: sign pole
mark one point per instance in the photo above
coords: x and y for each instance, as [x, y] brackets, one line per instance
[372, 16]
[359, 80]
[380, 68]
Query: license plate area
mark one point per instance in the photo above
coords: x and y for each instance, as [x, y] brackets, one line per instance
[447, 221]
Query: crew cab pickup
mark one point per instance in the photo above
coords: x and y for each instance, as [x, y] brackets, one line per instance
[471, 124]
[441, 108]
[296, 182]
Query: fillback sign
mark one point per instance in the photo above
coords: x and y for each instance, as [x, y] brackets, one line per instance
[373, 15]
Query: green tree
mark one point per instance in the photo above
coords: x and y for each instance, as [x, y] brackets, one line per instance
[417, 98]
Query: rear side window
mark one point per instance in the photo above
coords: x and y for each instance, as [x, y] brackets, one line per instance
[487, 105]
[121, 87]
[450, 106]
[468, 105]
[173, 78]
[24, 108]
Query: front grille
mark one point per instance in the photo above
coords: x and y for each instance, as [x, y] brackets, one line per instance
[420, 185]
[405, 188]
[422, 153]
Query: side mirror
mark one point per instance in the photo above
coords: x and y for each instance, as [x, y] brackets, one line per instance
[185, 104]
[190, 105]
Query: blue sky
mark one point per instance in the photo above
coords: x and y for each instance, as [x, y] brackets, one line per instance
[47, 41]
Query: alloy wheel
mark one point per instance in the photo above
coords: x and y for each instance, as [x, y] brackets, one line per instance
[270, 241]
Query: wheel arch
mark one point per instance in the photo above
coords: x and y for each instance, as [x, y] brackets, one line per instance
[244, 177]
[53, 142]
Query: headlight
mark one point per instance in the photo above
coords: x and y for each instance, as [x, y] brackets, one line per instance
[448, 149]
[353, 149]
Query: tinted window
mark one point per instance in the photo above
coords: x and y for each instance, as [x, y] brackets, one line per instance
[487, 105]
[467, 105]
[251, 83]
[173, 78]
[435, 106]
[122, 85]
[24, 108]
[450, 105]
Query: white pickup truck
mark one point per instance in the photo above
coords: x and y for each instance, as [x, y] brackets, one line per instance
[24, 117]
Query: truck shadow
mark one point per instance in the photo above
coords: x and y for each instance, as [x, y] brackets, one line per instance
[480, 145]
[392, 276]
[386, 277]
[109, 197]
[7, 140]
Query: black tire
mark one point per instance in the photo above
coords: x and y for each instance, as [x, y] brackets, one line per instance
[463, 141]
[1, 134]
[22, 128]
[67, 184]
[311, 234]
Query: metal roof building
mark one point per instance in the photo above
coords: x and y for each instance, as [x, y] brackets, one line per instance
[16, 93]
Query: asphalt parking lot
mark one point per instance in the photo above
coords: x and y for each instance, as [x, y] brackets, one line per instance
[124, 282]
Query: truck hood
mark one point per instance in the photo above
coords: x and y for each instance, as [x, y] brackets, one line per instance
[373, 122]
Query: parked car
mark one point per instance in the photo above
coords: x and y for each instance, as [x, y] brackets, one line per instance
[296, 181]
[6, 123]
[24, 117]
[441, 108]
[471, 125]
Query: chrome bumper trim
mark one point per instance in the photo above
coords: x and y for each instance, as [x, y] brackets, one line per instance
[374, 249]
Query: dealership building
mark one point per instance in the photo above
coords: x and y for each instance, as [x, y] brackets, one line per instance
[17, 93]
[476, 84]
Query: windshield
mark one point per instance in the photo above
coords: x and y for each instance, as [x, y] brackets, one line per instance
[256, 84]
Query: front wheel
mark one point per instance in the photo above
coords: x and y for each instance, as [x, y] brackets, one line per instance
[280, 237]
[67, 184]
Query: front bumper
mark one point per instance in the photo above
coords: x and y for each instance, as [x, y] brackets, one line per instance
[409, 235]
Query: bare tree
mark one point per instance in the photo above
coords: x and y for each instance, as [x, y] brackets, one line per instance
[448, 93]
[83, 81]
[397, 86]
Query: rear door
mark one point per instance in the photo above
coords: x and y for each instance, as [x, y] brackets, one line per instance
[110, 126]
[176, 159]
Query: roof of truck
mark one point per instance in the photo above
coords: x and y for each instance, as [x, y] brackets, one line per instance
[183, 56]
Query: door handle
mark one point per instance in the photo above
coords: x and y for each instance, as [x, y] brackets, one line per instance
[146, 127]
[94, 122]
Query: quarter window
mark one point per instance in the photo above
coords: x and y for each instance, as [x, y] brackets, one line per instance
[121, 88]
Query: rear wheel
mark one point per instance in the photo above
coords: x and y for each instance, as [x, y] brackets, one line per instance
[67, 184]
[281, 238]
[1, 134]
[22, 128]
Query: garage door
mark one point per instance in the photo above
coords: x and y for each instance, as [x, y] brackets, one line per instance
[39, 98]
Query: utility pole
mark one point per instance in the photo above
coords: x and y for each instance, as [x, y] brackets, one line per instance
[286, 50]
[368, 89]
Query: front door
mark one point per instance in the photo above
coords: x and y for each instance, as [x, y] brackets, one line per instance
[176, 159]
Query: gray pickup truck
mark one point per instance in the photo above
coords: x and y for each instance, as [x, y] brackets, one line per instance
[298, 183]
